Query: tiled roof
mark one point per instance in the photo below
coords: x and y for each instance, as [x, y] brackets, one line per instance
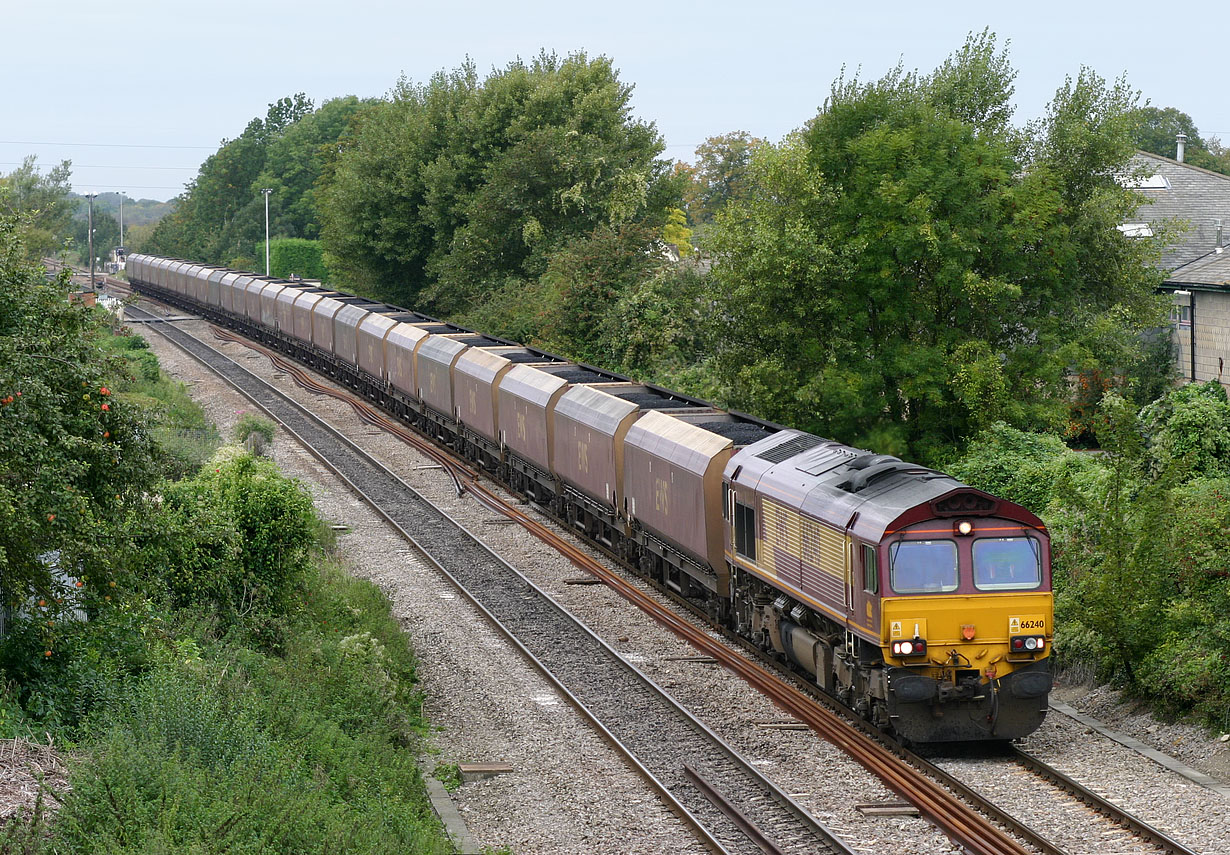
[1191, 194]
[1212, 269]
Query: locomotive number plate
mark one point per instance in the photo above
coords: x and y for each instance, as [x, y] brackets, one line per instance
[1026, 623]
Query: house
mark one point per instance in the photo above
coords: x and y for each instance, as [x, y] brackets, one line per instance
[1196, 259]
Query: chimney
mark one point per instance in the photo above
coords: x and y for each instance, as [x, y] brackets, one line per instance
[1181, 139]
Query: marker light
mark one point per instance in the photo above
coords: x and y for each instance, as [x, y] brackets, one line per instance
[1028, 643]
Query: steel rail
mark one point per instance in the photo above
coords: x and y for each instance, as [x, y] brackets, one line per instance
[821, 833]
[733, 813]
[372, 416]
[1109, 809]
[964, 825]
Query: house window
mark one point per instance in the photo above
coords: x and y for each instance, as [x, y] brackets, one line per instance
[1181, 316]
[745, 530]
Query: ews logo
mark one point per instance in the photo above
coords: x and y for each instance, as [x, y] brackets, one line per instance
[661, 496]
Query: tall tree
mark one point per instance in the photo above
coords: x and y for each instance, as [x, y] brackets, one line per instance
[41, 204]
[451, 188]
[1157, 131]
[721, 173]
[221, 216]
[294, 160]
[910, 269]
[106, 236]
[75, 460]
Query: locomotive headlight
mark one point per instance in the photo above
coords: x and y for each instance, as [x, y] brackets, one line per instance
[1031, 643]
[963, 528]
[917, 647]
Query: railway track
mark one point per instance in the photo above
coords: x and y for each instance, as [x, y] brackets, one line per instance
[734, 810]
[968, 828]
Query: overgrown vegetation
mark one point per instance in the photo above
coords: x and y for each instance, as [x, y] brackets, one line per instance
[223, 684]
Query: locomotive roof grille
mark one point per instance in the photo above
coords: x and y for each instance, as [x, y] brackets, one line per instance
[790, 448]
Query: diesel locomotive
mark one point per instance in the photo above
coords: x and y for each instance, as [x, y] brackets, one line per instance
[923, 603]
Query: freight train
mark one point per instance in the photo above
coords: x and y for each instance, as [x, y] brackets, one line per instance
[923, 603]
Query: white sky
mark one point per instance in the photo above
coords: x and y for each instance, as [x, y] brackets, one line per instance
[184, 75]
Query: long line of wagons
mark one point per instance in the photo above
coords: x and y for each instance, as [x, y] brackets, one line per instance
[923, 603]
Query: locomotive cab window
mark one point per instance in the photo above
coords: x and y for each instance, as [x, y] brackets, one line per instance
[871, 570]
[923, 566]
[1007, 563]
[745, 530]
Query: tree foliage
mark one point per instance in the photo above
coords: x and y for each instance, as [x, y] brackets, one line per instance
[1139, 537]
[910, 268]
[720, 174]
[295, 257]
[221, 217]
[1157, 130]
[451, 189]
[40, 203]
[76, 461]
[106, 236]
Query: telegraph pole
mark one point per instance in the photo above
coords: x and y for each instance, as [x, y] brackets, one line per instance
[91, 196]
[267, 191]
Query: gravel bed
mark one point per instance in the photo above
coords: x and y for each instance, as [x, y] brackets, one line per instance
[1193, 815]
[1195, 746]
[817, 775]
[568, 791]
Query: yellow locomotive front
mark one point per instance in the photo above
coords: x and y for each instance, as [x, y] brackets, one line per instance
[966, 626]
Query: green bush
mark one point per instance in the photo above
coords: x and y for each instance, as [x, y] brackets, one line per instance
[221, 747]
[1016, 465]
[295, 257]
[251, 423]
[238, 540]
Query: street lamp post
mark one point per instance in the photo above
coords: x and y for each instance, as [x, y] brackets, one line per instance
[91, 196]
[267, 191]
[121, 220]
